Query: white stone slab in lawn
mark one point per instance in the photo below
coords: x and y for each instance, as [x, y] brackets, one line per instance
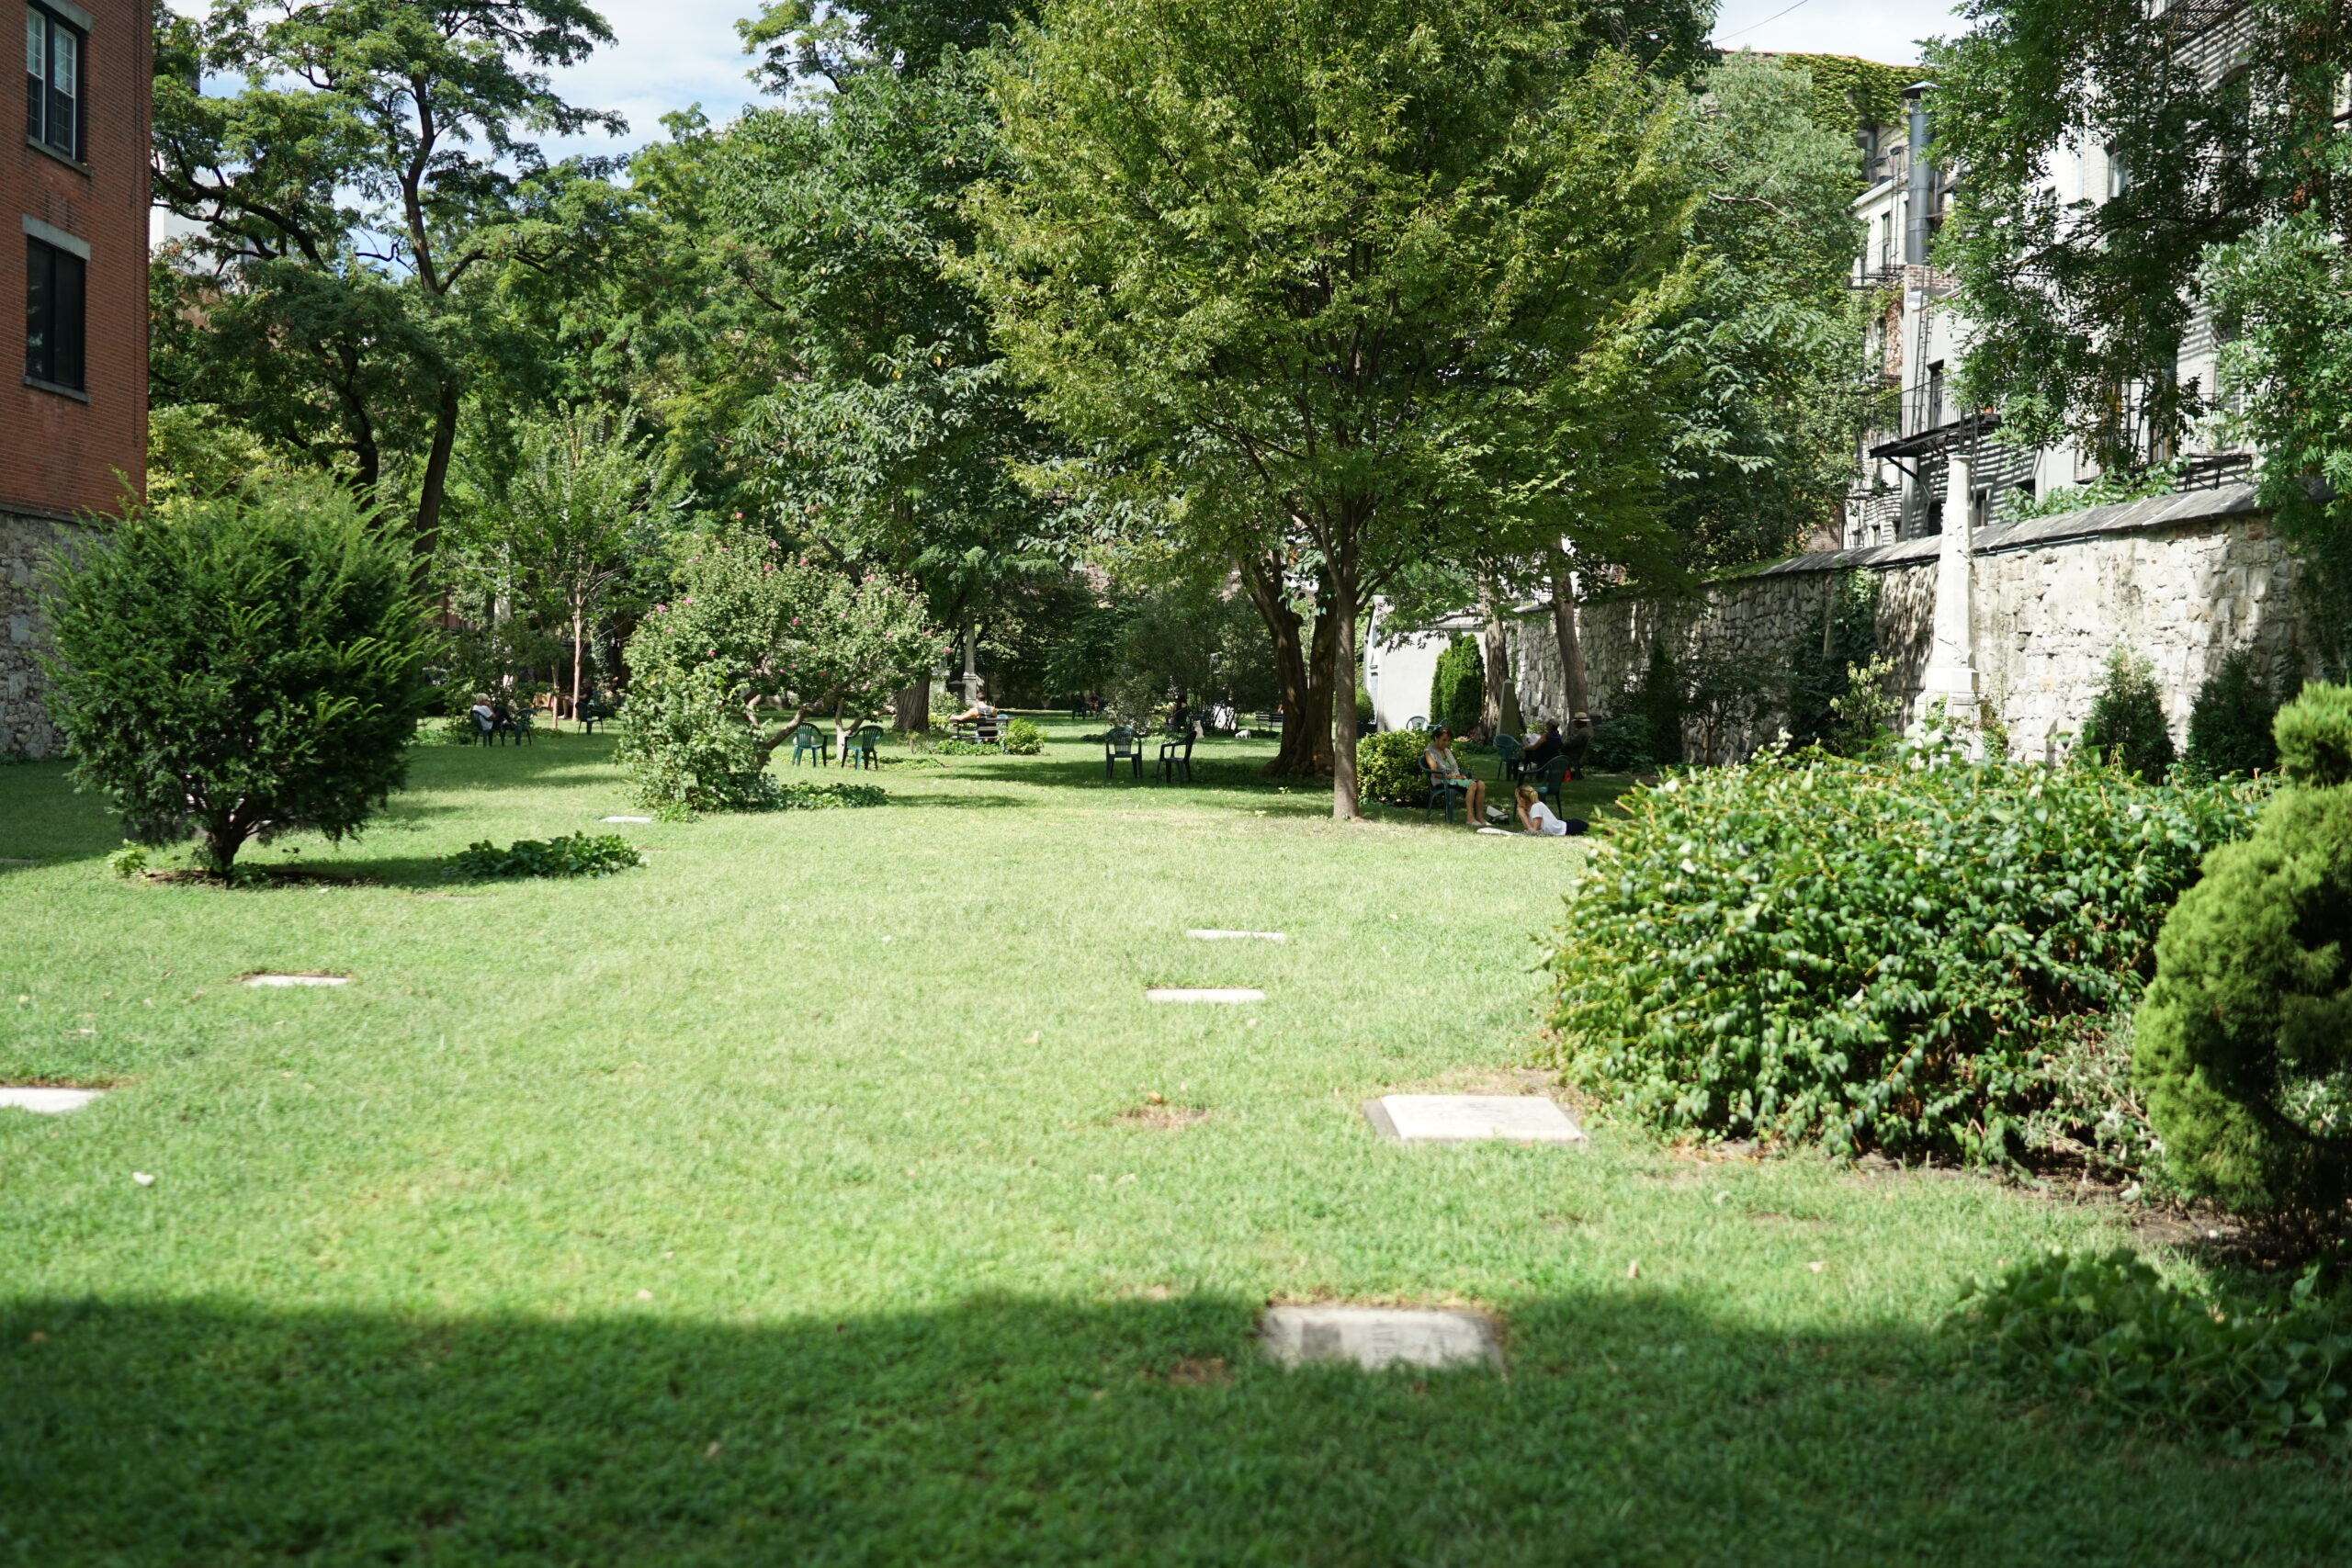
[1203, 994]
[1237, 936]
[1471, 1118]
[273, 980]
[629, 818]
[48, 1101]
[1374, 1338]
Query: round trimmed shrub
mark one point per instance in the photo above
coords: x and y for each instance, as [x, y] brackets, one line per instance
[2244, 1040]
[1388, 767]
[237, 667]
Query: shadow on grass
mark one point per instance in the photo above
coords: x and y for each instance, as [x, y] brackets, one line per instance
[1632, 1428]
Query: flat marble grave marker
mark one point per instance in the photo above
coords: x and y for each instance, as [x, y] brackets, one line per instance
[1375, 1337]
[1471, 1118]
[1237, 936]
[629, 818]
[1203, 994]
[49, 1101]
[296, 980]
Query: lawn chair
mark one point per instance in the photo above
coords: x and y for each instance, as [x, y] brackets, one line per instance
[485, 730]
[858, 751]
[590, 714]
[1418, 721]
[807, 742]
[1121, 742]
[1443, 791]
[1176, 753]
[520, 727]
[1511, 756]
[1548, 782]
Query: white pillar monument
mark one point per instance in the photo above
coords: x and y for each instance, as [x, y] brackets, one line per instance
[1952, 657]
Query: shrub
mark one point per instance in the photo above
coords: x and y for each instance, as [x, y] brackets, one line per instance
[2245, 1048]
[1871, 952]
[2229, 726]
[2109, 1333]
[1841, 638]
[2127, 719]
[1621, 745]
[239, 667]
[1388, 767]
[1658, 700]
[1458, 687]
[1023, 738]
[801, 796]
[575, 855]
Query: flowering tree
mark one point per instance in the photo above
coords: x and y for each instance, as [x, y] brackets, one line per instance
[751, 643]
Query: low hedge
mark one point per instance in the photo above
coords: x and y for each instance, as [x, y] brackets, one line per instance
[575, 854]
[1894, 952]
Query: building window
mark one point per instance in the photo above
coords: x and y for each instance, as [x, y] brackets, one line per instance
[53, 74]
[53, 340]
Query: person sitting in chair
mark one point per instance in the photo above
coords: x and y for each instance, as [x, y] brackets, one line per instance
[1578, 741]
[1542, 751]
[980, 712]
[1536, 817]
[1448, 773]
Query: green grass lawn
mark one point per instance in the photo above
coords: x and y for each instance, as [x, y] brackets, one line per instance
[800, 1198]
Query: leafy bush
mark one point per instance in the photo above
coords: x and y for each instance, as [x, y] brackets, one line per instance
[1388, 767]
[2245, 1048]
[801, 796]
[2229, 726]
[1839, 639]
[1871, 952]
[576, 854]
[2127, 719]
[129, 861]
[2109, 1333]
[1658, 700]
[1621, 745]
[240, 666]
[751, 642]
[1458, 687]
[1023, 738]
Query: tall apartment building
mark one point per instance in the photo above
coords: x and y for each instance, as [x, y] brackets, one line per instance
[1916, 423]
[73, 204]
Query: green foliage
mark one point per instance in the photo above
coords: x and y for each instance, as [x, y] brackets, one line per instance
[1023, 738]
[2110, 1334]
[1388, 767]
[1458, 686]
[574, 854]
[1876, 952]
[240, 667]
[1863, 717]
[1849, 93]
[1660, 704]
[1841, 633]
[1620, 744]
[2245, 1040]
[2108, 490]
[2229, 727]
[750, 634]
[2127, 725]
[128, 861]
[801, 795]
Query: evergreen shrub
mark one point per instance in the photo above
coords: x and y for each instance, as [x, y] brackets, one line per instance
[2229, 726]
[240, 666]
[2244, 1040]
[1388, 767]
[1620, 744]
[1884, 952]
[2127, 719]
[1660, 702]
[1458, 687]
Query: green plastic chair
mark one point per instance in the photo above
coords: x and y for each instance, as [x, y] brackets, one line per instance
[1121, 742]
[858, 751]
[1548, 782]
[1442, 791]
[806, 741]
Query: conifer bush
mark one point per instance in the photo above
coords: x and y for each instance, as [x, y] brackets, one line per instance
[2127, 719]
[2244, 1040]
[2229, 726]
[236, 667]
[1458, 686]
[1886, 951]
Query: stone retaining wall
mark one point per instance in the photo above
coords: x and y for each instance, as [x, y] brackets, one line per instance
[2180, 579]
[25, 729]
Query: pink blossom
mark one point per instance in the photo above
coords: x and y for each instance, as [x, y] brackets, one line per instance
[661, 606]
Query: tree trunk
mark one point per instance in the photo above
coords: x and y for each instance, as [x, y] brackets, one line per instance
[437, 472]
[1564, 628]
[1341, 615]
[1294, 671]
[911, 707]
[579, 640]
[1502, 696]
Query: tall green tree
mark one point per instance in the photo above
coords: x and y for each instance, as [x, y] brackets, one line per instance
[1382, 265]
[375, 157]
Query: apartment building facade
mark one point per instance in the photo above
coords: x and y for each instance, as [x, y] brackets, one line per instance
[74, 203]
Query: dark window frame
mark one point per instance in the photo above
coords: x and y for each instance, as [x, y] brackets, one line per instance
[44, 106]
[57, 295]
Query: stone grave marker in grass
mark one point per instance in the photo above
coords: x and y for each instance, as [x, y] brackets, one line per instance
[629, 818]
[1374, 1338]
[1471, 1118]
[267, 979]
[1203, 994]
[46, 1100]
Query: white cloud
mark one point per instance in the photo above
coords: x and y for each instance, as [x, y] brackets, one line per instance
[669, 53]
[1886, 31]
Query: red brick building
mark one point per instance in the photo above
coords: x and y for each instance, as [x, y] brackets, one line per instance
[72, 301]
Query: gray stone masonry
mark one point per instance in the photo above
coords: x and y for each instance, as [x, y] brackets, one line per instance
[25, 729]
[2182, 579]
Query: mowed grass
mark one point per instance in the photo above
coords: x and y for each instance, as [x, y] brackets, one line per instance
[803, 1197]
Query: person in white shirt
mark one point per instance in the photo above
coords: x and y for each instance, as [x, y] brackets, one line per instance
[1534, 817]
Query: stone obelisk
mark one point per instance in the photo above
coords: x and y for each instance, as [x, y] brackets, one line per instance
[1952, 657]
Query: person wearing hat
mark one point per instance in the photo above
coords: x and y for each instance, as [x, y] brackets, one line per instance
[1578, 741]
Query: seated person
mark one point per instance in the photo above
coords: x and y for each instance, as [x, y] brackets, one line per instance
[980, 713]
[1440, 760]
[1534, 817]
[1578, 741]
[1543, 751]
[485, 716]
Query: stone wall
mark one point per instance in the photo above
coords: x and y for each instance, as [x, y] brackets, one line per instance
[2181, 579]
[25, 729]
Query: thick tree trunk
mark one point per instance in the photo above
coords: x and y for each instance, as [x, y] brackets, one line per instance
[437, 472]
[911, 707]
[1502, 695]
[1564, 628]
[1294, 671]
[1341, 615]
